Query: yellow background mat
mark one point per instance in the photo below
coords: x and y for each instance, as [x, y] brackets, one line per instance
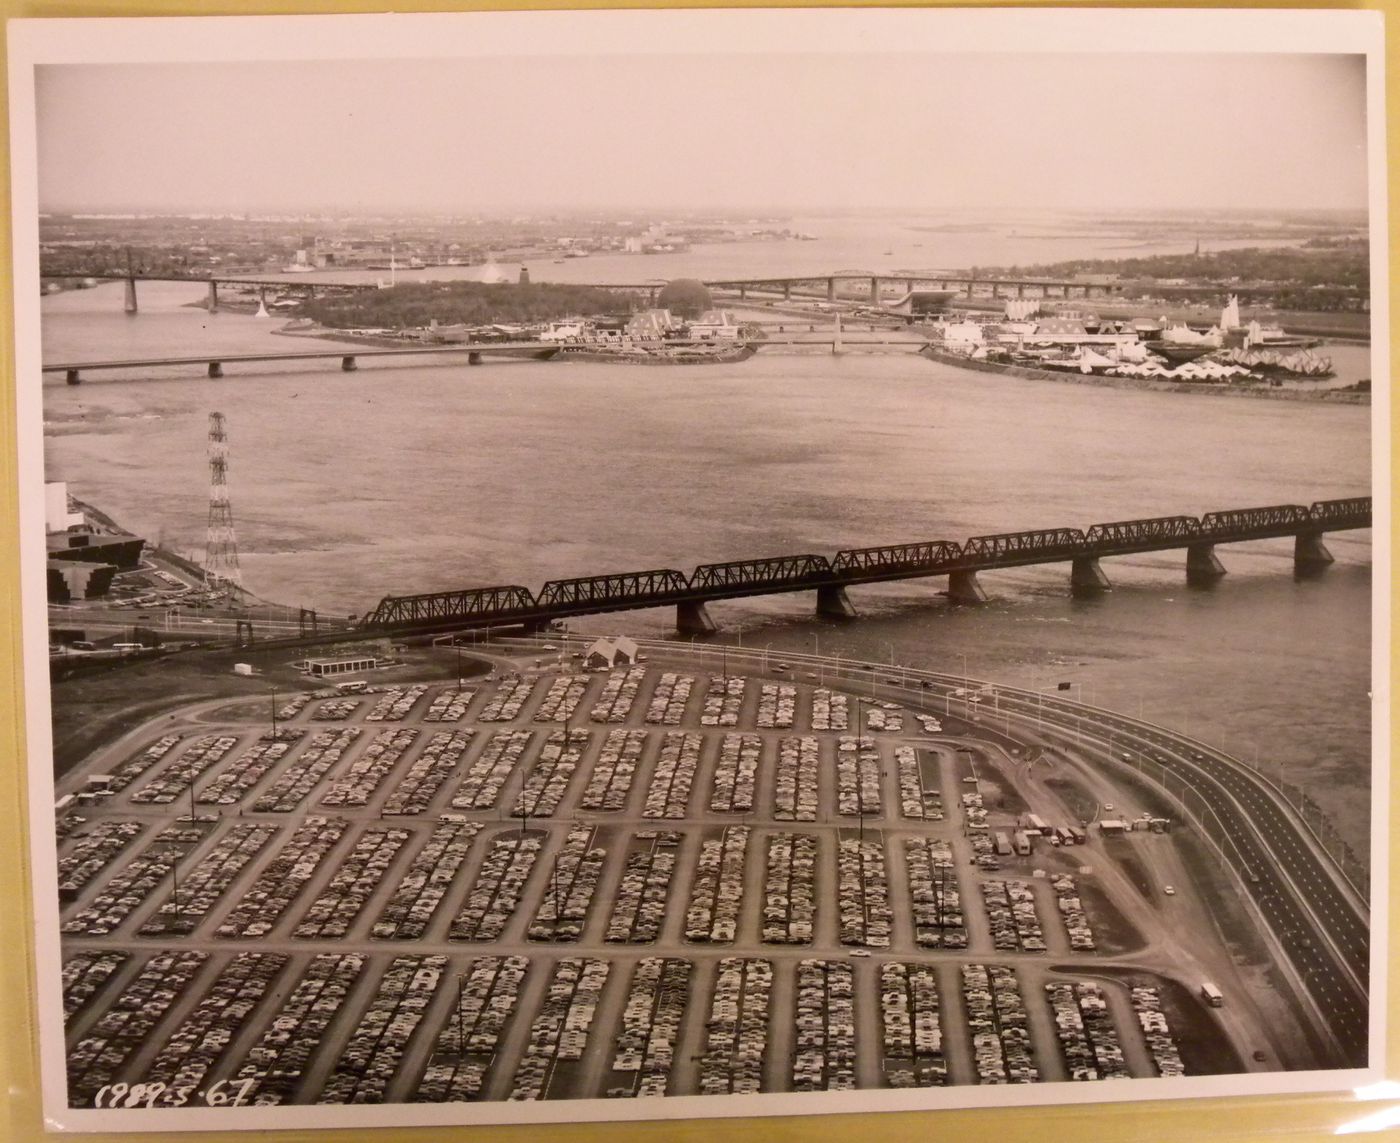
[1224, 1118]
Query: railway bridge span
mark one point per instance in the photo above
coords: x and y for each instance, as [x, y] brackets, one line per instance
[828, 578]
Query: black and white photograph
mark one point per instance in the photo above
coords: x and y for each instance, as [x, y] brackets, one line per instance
[593, 566]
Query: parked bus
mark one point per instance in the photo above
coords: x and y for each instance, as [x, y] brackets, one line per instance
[1213, 996]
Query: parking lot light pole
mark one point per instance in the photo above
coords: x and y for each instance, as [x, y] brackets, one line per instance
[274, 714]
[461, 1019]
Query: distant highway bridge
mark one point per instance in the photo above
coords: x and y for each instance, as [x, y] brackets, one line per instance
[512, 604]
[214, 362]
[842, 285]
[476, 351]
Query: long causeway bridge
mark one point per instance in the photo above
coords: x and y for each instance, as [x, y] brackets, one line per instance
[514, 605]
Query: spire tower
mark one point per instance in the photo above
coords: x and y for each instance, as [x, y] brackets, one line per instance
[220, 545]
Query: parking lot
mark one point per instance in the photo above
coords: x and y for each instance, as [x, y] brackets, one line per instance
[550, 884]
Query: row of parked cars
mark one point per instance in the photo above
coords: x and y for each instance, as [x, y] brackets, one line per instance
[737, 1029]
[777, 706]
[913, 1030]
[1085, 1028]
[795, 783]
[496, 892]
[449, 705]
[857, 776]
[668, 794]
[202, 888]
[421, 889]
[92, 854]
[997, 1020]
[376, 1046]
[85, 973]
[916, 799]
[735, 773]
[640, 904]
[358, 875]
[651, 1020]
[510, 695]
[560, 1028]
[668, 699]
[619, 693]
[96, 1059]
[884, 716]
[863, 897]
[1147, 1004]
[723, 699]
[324, 750]
[1081, 936]
[133, 767]
[830, 710]
[276, 1063]
[825, 1059]
[490, 770]
[333, 710]
[192, 1050]
[562, 698]
[283, 878]
[1011, 913]
[789, 889]
[933, 889]
[294, 706]
[228, 786]
[184, 770]
[543, 789]
[613, 770]
[569, 892]
[361, 779]
[717, 891]
[395, 703]
[413, 793]
[133, 884]
[487, 995]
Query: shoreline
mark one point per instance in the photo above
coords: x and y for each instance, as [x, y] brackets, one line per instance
[1264, 392]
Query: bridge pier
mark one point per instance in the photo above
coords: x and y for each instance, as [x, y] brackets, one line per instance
[1310, 553]
[347, 364]
[831, 289]
[72, 377]
[1086, 577]
[1201, 564]
[473, 359]
[216, 369]
[213, 296]
[964, 588]
[832, 601]
[787, 291]
[874, 291]
[693, 619]
[130, 301]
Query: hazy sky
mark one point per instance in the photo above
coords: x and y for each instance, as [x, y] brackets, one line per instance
[1084, 131]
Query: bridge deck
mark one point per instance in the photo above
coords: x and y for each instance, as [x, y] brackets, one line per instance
[785, 574]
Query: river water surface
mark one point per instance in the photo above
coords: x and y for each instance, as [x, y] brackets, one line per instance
[396, 479]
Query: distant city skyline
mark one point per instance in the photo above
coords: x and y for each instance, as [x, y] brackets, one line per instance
[723, 133]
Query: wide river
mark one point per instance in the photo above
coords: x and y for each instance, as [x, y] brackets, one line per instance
[349, 486]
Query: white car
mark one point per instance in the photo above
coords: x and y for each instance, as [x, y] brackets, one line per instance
[1169, 890]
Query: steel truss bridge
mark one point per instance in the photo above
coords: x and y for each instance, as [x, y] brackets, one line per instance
[514, 605]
